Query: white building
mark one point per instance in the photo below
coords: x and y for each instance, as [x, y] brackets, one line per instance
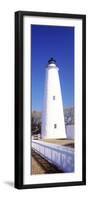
[53, 125]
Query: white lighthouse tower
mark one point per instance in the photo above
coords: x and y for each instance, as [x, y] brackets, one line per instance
[53, 125]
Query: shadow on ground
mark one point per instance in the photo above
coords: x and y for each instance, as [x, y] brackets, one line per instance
[10, 183]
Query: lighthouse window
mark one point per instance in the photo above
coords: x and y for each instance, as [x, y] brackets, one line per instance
[55, 125]
[53, 97]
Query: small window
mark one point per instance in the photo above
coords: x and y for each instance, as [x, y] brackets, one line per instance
[55, 125]
[53, 97]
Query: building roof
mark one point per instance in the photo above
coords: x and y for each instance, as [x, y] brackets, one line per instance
[51, 61]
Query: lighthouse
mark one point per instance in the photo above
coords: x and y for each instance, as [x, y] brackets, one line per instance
[53, 125]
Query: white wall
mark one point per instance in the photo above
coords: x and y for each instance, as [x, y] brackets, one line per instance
[7, 9]
[61, 156]
[70, 131]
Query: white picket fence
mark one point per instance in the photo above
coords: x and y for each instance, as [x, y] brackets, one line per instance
[61, 156]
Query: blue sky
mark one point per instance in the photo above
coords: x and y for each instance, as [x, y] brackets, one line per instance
[56, 42]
